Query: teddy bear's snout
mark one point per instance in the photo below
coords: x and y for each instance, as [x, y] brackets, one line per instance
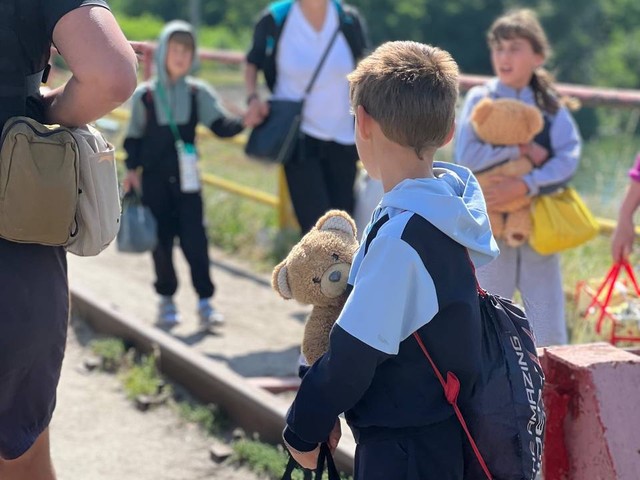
[334, 280]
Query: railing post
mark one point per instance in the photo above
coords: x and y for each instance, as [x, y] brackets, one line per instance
[286, 215]
[147, 58]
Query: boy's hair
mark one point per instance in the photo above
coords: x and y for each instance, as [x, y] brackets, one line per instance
[524, 23]
[183, 38]
[410, 89]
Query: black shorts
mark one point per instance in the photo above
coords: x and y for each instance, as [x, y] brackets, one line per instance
[34, 310]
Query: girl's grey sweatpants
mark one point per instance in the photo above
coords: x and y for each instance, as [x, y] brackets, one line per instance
[539, 281]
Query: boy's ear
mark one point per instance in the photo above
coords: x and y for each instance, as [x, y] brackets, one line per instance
[363, 122]
[450, 135]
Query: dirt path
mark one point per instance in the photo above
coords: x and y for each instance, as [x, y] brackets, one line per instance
[97, 434]
[262, 332]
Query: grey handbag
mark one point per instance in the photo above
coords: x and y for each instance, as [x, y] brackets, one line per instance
[138, 227]
[275, 138]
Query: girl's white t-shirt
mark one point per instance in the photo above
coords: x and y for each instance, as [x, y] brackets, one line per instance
[326, 114]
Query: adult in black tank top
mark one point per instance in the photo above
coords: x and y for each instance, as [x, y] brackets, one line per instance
[34, 296]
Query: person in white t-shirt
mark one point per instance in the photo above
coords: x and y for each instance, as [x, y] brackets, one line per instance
[289, 40]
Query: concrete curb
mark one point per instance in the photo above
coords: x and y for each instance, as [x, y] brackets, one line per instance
[249, 406]
[591, 398]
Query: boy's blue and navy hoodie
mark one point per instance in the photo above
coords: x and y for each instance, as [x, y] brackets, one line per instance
[411, 273]
[149, 141]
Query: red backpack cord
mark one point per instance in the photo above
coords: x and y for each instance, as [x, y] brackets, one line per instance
[451, 390]
[452, 386]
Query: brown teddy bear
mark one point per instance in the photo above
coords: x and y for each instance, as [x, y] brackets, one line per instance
[316, 272]
[507, 121]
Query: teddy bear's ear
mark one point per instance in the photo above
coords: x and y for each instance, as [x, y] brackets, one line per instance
[481, 111]
[534, 121]
[280, 281]
[337, 220]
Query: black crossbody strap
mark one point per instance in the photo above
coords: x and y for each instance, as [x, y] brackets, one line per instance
[321, 62]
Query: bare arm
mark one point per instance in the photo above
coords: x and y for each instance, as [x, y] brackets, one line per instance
[257, 110]
[102, 63]
[250, 78]
[624, 234]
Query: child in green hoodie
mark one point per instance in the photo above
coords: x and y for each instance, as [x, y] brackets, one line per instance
[160, 142]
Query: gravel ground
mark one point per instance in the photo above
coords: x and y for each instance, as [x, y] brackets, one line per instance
[97, 433]
[262, 333]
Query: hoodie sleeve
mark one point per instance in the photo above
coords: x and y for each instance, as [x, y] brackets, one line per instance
[212, 114]
[136, 128]
[566, 145]
[393, 295]
[469, 150]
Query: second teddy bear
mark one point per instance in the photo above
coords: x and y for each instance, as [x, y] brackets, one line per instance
[507, 121]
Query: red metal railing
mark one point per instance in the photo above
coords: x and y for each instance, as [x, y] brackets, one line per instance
[589, 96]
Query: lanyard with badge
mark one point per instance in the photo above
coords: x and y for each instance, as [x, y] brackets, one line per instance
[187, 154]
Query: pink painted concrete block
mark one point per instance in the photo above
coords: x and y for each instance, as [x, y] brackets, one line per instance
[592, 397]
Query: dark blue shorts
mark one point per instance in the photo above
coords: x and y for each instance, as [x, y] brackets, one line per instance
[34, 309]
[429, 453]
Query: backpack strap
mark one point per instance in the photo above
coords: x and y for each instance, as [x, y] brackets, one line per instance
[148, 101]
[451, 390]
[279, 11]
[451, 386]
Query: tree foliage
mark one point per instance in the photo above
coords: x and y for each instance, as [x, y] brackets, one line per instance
[594, 41]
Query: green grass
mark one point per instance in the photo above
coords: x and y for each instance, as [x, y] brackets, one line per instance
[110, 351]
[261, 458]
[142, 378]
[209, 417]
[265, 459]
[602, 176]
[235, 224]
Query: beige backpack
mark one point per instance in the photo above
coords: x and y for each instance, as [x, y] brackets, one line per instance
[58, 186]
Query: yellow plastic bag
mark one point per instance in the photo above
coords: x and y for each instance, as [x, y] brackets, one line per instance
[561, 221]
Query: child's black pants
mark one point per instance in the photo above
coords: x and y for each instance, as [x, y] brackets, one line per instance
[178, 215]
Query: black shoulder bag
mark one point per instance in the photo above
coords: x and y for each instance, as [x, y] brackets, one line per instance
[274, 139]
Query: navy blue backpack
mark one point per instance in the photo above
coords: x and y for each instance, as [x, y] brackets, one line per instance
[504, 418]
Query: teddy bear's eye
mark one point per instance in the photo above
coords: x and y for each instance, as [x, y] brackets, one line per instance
[335, 256]
[316, 280]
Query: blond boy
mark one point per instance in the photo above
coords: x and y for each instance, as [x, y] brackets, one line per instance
[412, 273]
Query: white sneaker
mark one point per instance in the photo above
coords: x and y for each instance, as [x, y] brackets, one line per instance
[168, 315]
[208, 315]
